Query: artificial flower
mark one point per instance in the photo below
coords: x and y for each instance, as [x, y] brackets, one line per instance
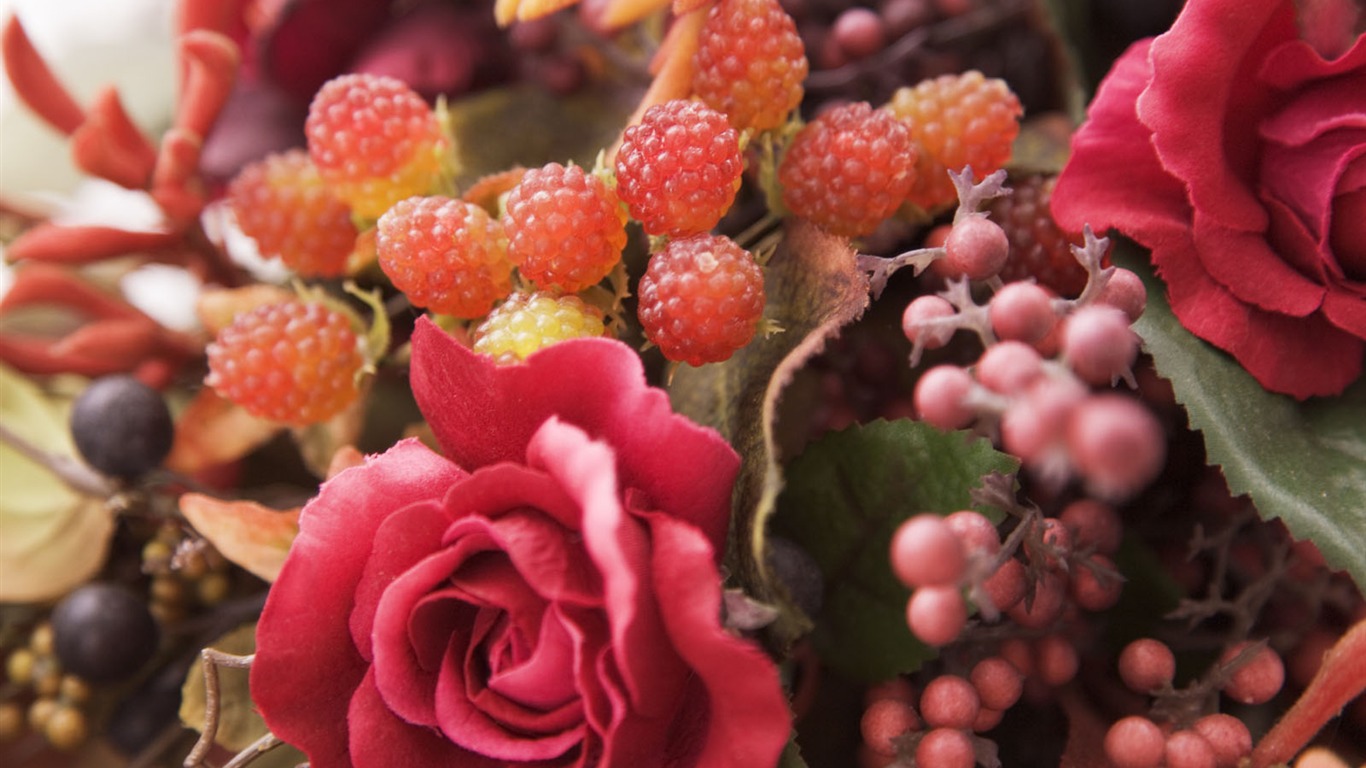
[545, 593]
[1235, 152]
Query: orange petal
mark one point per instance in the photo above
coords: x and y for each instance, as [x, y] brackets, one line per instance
[34, 83]
[620, 13]
[535, 9]
[216, 309]
[213, 431]
[110, 146]
[175, 182]
[253, 536]
[210, 63]
[43, 283]
[673, 67]
[120, 343]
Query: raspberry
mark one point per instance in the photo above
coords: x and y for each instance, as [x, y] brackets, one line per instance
[1038, 248]
[750, 63]
[447, 255]
[565, 228]
[281, 202]
[701, 298]
[679, 168]
[292, 362]
[375, 141]
[957, 121]
[848, 169]
[527, 322]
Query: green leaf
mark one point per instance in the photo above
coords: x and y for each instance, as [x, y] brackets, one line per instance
[814, 287]
[845, 497]
[1304, 463]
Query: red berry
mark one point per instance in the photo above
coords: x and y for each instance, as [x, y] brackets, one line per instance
[701, 299]
[281, 202]
[678, 169]
[1227, 736]
[939, 397]
[976, 248]
[949, 701]
[1098, 344]
[945, 748]
[848, 169]
[859, 32]
[1050, 598]
[1035, 424]
[975, 531]
[956, 121]
[1092, 591]
[292, 362]
[1006, 587]
[375, 141]
[1256, 681]
[447, 255]
[883, 721]
[565, 228]
[925, 552]
[750, 63]
[919, 321]
[936, 615]
[1146, 665]
[1125, 291]
[1116, 444]
[1094, 525]
[1055, 660]
[1135, 742]
[1038, 249]
[1188, 749]
[1008, 367]
[998, 683]
[1022, 311]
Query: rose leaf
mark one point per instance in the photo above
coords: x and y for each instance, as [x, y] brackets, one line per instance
[845, 497]
[814, 287]
[1302, 462]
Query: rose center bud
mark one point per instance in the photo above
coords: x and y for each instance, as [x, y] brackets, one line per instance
[1348, 235]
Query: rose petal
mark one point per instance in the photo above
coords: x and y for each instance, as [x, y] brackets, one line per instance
[1317, 109]
[543, 555]
[1347, 312]
[1249, 269]
[749, 718]
[1294, 64]
[314, 594]
[543, 679]
[1150, 205]
[620, 547]
[381, 740]
[1301, 357]
[1201, 75]
[404, 539]
[1306, 178]
[483, 413]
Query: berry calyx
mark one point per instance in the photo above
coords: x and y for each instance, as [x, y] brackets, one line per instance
[565, 228]
[679, 168]
[848, 169]
[375, 141]
[701, 299]
[282, 203]
[527, 322]
[446, 255]
[293, 362]
[750, 63]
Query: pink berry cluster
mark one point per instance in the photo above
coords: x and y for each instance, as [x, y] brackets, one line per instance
[1032, 386]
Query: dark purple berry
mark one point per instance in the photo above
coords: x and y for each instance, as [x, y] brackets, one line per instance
[121, 426]
[103, 632]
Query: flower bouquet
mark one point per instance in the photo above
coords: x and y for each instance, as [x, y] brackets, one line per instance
[705, 384]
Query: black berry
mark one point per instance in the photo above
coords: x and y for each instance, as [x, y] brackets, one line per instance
[121, 426]
[103, 632]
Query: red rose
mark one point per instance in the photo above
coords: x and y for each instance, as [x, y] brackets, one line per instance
[545, 594]
[1237, 154]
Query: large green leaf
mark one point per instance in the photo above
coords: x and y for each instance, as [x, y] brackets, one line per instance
[1304, 463]
[845, 497]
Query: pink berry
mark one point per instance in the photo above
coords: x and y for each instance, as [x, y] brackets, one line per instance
[1055, 660]
[945, 748]
[1006, 587]
[885, 720]
[1227, 736]
[919, 324]
[975, 531]
[1023, 312]
[1146, 665]
[987, 719]
[1099, 345]
[976, 248]
[940, 395]
[1094, 525]
[1050, 597]
[936, 615]
[859, 32]
[1092, 591]
[1009, 367]
[1125, 292]
[998, 683]
[1135, 742]
[1188, 749]
[1116, 444]
[1058, 540]
[925, 552]
[949, 701]
[1034, 425]
[1257, 681]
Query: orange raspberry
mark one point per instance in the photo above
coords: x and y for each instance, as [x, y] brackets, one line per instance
[1038, 249]
[565, 227]
[447, 255]
[701, 298]
[750, 63]
[375, 141]
[292, 362]
[282, 204]
[957, 120]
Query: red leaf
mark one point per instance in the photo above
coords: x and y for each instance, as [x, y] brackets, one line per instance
[35, 84]
[110, 146]
[56, 244]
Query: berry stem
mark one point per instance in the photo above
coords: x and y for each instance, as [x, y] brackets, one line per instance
[77, 475]
[1340, 679]
[214, 659]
